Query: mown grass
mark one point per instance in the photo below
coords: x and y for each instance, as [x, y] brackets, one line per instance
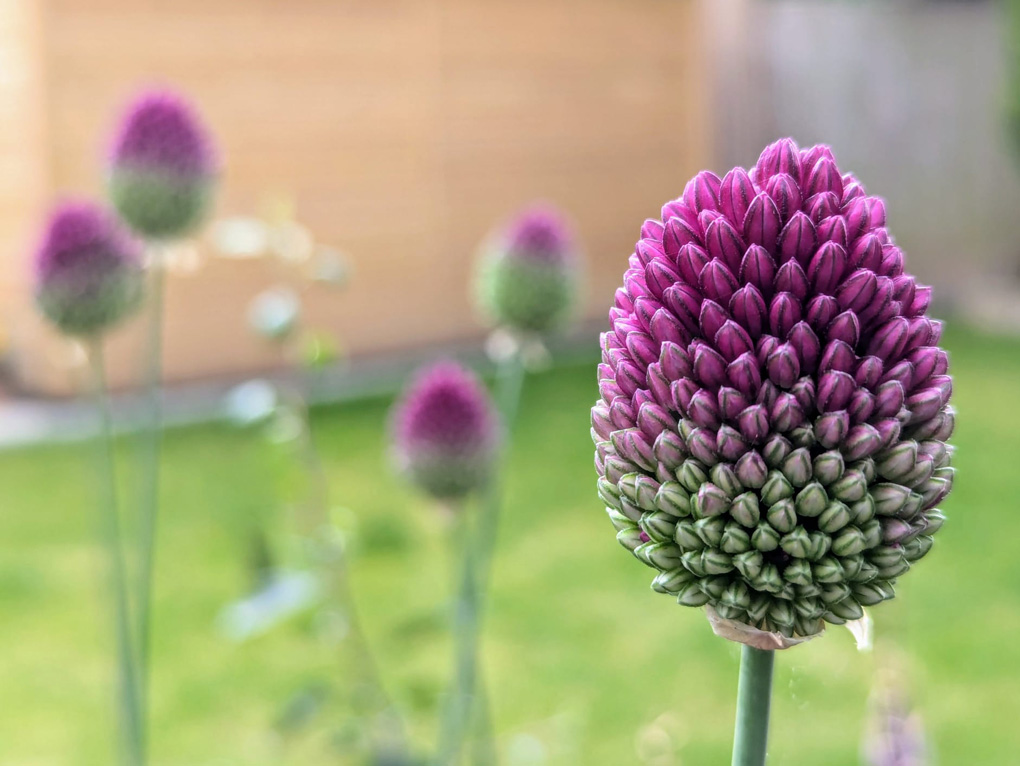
[585, 663]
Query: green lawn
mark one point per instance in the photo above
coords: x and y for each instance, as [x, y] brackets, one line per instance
[581, 655]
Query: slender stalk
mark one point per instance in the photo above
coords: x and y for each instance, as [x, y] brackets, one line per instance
[368, 664]
[470, 705]
[152, 437]
[754, 696]
[130, 709]
[465, 631]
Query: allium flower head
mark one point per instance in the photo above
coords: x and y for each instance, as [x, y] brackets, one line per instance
[88, 270]
[445, 431]
[771, 433]
[529, 271]
[161, 166]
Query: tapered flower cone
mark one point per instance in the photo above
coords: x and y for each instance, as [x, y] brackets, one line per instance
[87, 270]
[529, 272]
[771, 433]
[445, 432]
[161, 167]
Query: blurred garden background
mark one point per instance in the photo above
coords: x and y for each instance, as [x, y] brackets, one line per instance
[369, 148]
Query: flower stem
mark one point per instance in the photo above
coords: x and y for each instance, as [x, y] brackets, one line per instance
[152, 436]
[754, 695]
[130, 711]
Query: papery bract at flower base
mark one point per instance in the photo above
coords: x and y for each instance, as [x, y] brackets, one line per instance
[446, 432]
[161, 167]
[529, 272]
[88, 270]
[774, 403]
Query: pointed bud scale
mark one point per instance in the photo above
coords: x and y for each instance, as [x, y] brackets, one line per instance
[664, 327]
[805, 343]
[827, 268]
[649, 251]
[857, 291]
[866, 253]
[784, 313]
[748, 308]
[820, 207]
[754, 423]
[797, 240]
[669, 450]
[831, 428]
[683, 391]
[783, 156]
[797, 467]
[709, 366]
[862, 406]
[820, 312]
[744, 375]
[717, 282]
[632, 445]
[762, 222]
[691, 260]
[834, 390]
[675, 362]
[703, 410]
[838, 356]
[784, 192]
[660, 274]
[724, 243]
[832, 229]
[703, 446]
[730, 443]
[678, 233]
[758, 268]
[735, 195]
[731, 402]
[702, 191]
[765, 539]
[791, 279]
[732, 340]
[786, 413]
[824, 177]
[713, 317]
[828, 467]
[783, 366]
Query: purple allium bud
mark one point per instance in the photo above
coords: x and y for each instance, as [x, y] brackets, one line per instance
[528, 274]
[766, 337]
[88, 270]
[445, 431]
[162, 166]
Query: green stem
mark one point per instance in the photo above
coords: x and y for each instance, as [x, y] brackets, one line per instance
[469, 704]
[754, 695]
[130, 711]
[152, 442]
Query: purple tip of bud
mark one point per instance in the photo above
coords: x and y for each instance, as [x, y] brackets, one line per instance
[785, 193]
[702, 191]
[744, 375]
[824, 177]
[784, 366]
[709, 366]
[791, 279]
[834, 391]
[717, 282]
[783, 156]
[161, 131]
[784, 313]
[732, 340]
[542, 233]
[798, 239]
[748, 307]
[831, 428]
[445, 430]
[754, 423]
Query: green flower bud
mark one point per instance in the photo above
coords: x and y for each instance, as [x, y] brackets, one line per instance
[894, 570]
[851, 566]
[808, 608]
[863, 510]
[716, 562]
[672, 581]
[630, 538]
[759, 606]
[692, 595]
[749, 564]
[663, 556]
[869, 594]
[631, 511]
[782, 516]
[796, 543]
[797, 467]
[639, 489]
[745, 509]
[834, 593]
[730, 612]
[834, 517]
[866, 468]
[736, 595]
[777, 487]
[826, 571]
[867, 572]
[828, 467]
[725, 478]
[811, 500]
[609, 493]
[673, 499]
[872, 533]
[620, 521]
[885, 555]
[768, 579]
[848, 609]
[849, 542]
[735, 539]
[781, 614]
[798, 572]
[775, 451]
[912, 507]
[808, 627]
[889, 498]
[820, 544]
[917, 548]
[691, 474]
[765, 538]
[803, 437]
[711, 530]
[714, 587]
[851, 486]
[896, 463]
[686, 536]
[659, 526]
[694, 562]
[710, 501]
[808, 591]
